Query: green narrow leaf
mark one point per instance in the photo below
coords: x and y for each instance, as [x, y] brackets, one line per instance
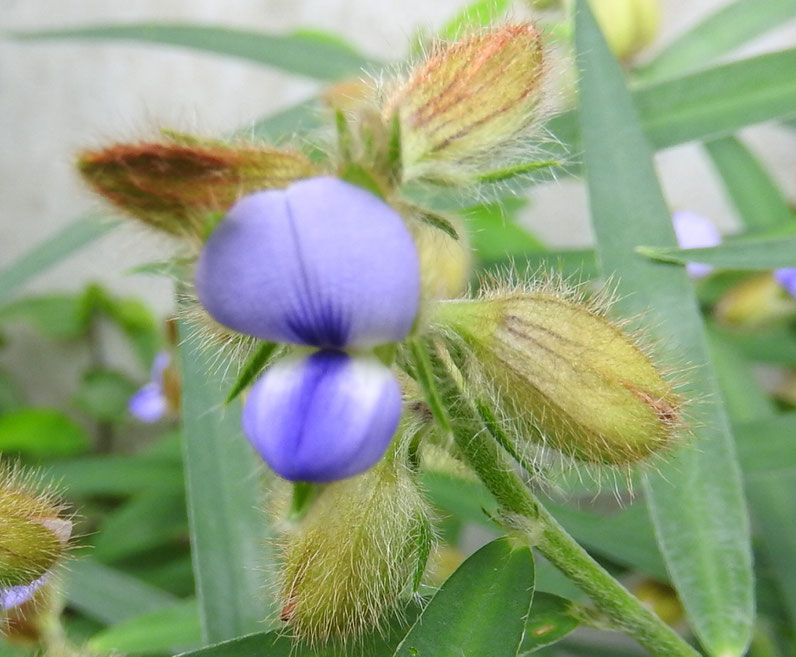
[769, 439]
[156, 632]
[58, 316]
[728, 28]
[424, 540]
[251, 370]
[41, 433]
[765, 446]
[109, 595]
[757, 199]
[696, 502]
[52, 251]
[550, 620]
[481, 609]
[114, 475]
[741, 253]
[704, 105]
[299, 54]
[228, 532]
[148, 520]
[278, 644]
[495, 233]
[475, 15]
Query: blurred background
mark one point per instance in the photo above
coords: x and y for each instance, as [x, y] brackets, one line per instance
[57, 97]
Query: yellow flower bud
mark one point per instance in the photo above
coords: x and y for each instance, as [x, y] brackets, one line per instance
[754, 302]
[468, 99]
[33, 537]
[569, 377]
[628, 25]
[353, 555]
[443, 248]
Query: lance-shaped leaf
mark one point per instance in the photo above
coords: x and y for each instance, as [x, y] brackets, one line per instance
[302, 54]
[748, 253]
[697, 501]
[228, 532]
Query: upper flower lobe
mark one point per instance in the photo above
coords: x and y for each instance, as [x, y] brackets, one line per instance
[322, 263]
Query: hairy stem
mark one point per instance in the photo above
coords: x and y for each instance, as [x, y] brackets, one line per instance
[522, 511]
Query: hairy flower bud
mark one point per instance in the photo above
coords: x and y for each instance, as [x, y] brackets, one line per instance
[173, 186]
[628, 25]
[356, 552]
[33, 538]
[444, 251]
[568, 376]
[468, 99]
[754, 302]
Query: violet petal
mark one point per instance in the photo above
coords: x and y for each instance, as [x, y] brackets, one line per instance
[322, 263]
[695, 232]
[323, 417]
[13, 596]
[786, 277]
[148, 404]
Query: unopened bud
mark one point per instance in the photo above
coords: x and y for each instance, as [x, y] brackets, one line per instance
[175, 185]
[353, 555]
[569, 377]
[628, 25]
[467, 100]
[33, 538]
[443, 249]
[755, 302]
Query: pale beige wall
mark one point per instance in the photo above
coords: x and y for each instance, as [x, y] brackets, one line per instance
[57, 97]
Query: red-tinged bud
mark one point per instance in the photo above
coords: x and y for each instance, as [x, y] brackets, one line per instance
[175, 185]
[467, 100]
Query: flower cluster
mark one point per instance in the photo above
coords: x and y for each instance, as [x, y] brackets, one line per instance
[326, 265]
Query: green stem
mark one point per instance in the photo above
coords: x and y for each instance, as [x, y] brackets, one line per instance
[523, 512]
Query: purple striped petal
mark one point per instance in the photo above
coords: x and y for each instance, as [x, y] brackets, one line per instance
[323, 417]
[322, 263]
[695, 232]
[13, 596]
[787, 279]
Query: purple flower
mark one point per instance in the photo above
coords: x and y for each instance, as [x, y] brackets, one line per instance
[13, 596]
[321, 263]
[787, 279]
[695, 232]
[149, 403]
[323, 417]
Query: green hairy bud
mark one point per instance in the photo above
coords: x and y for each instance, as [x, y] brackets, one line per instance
[33, 538]
[565, 375]
[356, 552]
[466, 100]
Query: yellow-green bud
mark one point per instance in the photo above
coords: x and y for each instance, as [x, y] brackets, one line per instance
[754, 302]
[444, 253]
[349, 561]
[628, 25]
[566, 375]
[174, 185]
[33, 537]
[468, 99]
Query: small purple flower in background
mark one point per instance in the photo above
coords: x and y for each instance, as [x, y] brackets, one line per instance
[695, 232]
[13, 596]
[787, 279]
[323, 417]
[150, 403]
[322, 263]
[329, 265]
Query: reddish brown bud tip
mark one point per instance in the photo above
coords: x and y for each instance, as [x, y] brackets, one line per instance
[173, 186]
